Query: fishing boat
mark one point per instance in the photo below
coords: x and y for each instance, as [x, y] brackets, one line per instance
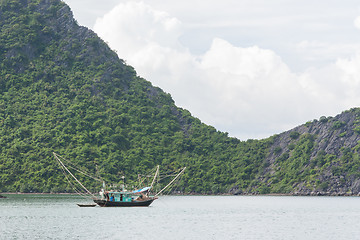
[118, 198]
[137, 198]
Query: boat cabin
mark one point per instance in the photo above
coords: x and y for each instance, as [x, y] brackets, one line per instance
[119, 197]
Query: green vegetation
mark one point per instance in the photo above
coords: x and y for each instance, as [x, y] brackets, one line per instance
[63, 90]
[294, 135]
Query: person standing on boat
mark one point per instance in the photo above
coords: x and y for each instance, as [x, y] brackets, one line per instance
[112, 198]
[106, 196]
[102, 194]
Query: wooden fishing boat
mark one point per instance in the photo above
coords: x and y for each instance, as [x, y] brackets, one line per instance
[118, 203]
[137, 198]
[124, 198]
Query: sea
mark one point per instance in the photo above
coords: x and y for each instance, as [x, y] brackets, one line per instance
[30, 216]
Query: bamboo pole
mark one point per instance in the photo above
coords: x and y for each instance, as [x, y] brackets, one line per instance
[156, 173]
[171, 182]
[71, 173]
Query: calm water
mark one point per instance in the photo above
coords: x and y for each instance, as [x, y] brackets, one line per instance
[182, 217]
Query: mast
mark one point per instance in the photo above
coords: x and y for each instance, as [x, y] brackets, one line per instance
[171, 182]
[62, 164]
[123, 186]
[156, 173]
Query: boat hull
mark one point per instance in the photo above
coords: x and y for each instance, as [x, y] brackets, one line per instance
[86, 205]
[104, 203]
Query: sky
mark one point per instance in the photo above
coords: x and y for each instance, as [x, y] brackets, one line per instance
[252, 68]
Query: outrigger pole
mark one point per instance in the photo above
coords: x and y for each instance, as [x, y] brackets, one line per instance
[156, 173]
[62, 164]
[171, 182]
[153, 181]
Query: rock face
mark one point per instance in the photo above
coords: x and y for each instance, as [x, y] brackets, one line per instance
[323, 152]
[331, 134]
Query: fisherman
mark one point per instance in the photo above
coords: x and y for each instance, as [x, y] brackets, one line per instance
[141, 197]
[112, 198]
[106, 196]
[102, 194]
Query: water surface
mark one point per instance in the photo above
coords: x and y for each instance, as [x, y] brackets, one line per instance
[182, 217]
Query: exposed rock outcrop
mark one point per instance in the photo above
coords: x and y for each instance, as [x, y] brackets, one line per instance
[330, 154]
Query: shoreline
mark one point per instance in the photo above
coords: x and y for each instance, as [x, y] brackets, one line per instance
[313, 194]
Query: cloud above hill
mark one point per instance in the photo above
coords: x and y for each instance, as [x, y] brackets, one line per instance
[249, 92]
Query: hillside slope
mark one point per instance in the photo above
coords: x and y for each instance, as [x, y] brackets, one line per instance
[63, 90]
[318, 158]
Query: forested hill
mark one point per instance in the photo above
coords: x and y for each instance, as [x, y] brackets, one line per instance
[63, 90]
[320, 157]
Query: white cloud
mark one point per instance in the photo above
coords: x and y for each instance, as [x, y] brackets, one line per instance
[133, 24]
[315, 51]
[357, 22]
[350, 78]
[249, 92]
